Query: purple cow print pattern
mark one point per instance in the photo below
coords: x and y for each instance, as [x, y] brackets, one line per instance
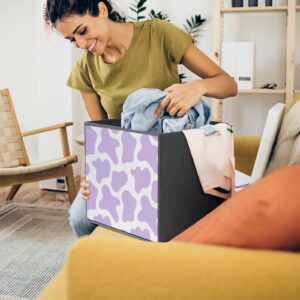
[121, 169]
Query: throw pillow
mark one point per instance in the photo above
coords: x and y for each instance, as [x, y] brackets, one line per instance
[264, 215]
[285, 152]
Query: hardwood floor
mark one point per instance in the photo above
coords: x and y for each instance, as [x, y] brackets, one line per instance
[32, 194]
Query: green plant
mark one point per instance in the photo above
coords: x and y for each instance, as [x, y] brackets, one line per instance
[182, 76]
[192, 26]
[138, 7]
[158, 15]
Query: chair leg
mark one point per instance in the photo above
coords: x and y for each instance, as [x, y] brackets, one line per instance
[14, 189]
[71, 183]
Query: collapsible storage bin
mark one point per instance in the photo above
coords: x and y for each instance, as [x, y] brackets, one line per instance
[143, 184]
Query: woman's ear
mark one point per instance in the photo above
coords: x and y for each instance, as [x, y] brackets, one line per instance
[103, 11]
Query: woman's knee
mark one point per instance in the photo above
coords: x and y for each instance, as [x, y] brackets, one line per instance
[78, 220]
[77, 209]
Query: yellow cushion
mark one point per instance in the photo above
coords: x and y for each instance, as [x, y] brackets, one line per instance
[245, 150]
[56, 288]
[117, 268]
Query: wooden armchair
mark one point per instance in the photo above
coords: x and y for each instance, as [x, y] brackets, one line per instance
[15, 168]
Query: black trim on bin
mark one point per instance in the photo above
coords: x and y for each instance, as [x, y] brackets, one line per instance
[115, 123]
[119, 231]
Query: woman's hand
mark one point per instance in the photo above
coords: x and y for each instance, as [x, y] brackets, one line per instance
[181, 98]
[84, 188]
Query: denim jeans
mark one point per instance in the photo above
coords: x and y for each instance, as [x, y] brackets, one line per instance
[78, 220]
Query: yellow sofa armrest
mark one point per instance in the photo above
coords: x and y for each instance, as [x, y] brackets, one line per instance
[56, 288]
[110, 268]
[245, 150]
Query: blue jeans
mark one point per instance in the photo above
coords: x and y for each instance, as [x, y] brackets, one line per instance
[78, 220]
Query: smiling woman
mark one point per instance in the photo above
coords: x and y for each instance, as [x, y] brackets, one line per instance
[92, 33]
[76, 15]
[120, 58]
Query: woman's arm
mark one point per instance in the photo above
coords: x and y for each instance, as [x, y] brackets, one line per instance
[214, 83]
[93, 106]
[217, 82]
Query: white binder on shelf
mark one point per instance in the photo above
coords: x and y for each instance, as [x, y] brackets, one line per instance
[237, 60]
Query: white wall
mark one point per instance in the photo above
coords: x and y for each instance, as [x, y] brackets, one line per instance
[79, 116]
[35, 70]
[17, 62]
[54, 99]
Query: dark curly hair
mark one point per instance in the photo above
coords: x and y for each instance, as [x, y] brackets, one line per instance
[55, 10]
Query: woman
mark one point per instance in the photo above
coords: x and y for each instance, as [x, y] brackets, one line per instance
[120, 58]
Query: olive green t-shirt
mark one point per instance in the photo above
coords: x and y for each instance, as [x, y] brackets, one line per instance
[150, 62]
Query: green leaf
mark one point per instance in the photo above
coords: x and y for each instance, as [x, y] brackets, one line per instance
[181, 77]
[186, 28]
[158, 15]
[138, 7]
[193, 26]
[132, 19]
[141, 3]
[142, 9]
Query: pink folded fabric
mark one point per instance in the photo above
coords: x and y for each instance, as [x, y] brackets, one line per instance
[213, 155]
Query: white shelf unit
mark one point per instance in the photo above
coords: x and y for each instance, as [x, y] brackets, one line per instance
[290, 10]
[254, 9]
[263, 91]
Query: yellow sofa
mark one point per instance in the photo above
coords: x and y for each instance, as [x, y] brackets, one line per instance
[108, 265]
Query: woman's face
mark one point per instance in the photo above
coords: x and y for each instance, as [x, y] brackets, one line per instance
[87, 32]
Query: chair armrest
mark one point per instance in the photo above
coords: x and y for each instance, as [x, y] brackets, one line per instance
[63, 135]
[44, 129]
[80, 139]
[245, 151]
[111, 268]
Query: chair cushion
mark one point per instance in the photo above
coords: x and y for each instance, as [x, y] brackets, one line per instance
[264, 215]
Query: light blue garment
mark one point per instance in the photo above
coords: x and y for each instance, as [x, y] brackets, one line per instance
[80, 224]
[139, 108]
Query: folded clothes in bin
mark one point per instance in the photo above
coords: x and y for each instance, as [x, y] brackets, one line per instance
[143, 184]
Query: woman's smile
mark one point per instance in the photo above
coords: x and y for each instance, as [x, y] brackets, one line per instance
[92, 46]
